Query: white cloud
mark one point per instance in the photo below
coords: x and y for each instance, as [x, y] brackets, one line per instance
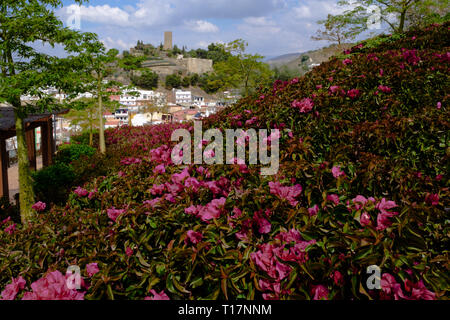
[201, 26]
[259, 21]
[100, 14]
[110, 43]
[302, 12]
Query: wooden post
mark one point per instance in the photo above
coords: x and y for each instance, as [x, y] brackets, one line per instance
[31, 144]
[4, 159]
[47, 142]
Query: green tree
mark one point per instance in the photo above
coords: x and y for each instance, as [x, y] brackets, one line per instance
[242, 70]
[147, 80]
[84, 114]
[98, 64]
[26, 71]
[194, 79]
[335, 30]
[186, 82]
[173, 81]
[397, 14]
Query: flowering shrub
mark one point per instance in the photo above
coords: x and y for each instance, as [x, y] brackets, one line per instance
[363, 181]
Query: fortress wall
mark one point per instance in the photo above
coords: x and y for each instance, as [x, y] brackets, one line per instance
[195, 65]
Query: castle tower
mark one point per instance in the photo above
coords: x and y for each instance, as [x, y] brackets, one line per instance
[168, 40]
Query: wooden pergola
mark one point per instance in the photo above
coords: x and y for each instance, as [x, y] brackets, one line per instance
[8, 130]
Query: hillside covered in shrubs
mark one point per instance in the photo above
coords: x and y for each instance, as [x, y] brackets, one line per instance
[363, 181]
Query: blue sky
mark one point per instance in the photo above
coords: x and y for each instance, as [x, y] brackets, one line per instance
[271, 27]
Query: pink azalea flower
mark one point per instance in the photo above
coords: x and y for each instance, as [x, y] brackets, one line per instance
[320, 293]
[390, 286]
[262, 223]
[365, 219]
[158, 296]
[193, 237]
[192, 183]
[152, 203]
[420, 292]
[333, 198]
[10, 229]
[114, 213]
[129, 251]
[179, 177]
[81, 192]
[53, 287]
[39, 206]
[159, 169]
[347, 62]
[337, 172]
[439, 105]
[432, 199]
[338, 278]
[385, 205]
[353, 93]
[192, 210]
[92, 268]
[286, 193]
[212, 210]
[334, 89]
[313, 211]
[92, 194]
[11, 290]
[305, 105]
[385, 89]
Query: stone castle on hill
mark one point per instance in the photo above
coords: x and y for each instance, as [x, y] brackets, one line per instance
[164, 65]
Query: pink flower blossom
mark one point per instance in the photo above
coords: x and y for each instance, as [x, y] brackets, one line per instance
[179, 177]
[92, 194]
[53, 287]
[432, 199]
[262, 223]
[439, 105]
[193, 237]
[338, 278]
[11, 290]
[313, 211]
[39, 206]
[129, 251]
[212, 210]
[390, 287]
[152, 203]
[333, 198]
[337, 172]
[305, 105]
[92, 268]
[347, 62]
[10, 229]
[353, 93]
[385, 89]
[385, 205]
[158, 296]
[81, 192]
[320, 293]
[160, 169]
[114, 213]
[286, 193]
[365, 219]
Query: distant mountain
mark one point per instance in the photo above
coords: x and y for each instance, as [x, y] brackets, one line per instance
[304, 62]
[283, 59]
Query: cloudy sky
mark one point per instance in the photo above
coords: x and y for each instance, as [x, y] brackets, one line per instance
[272, 27]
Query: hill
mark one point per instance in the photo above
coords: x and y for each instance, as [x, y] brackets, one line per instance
[363, 181]
[303, 62]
